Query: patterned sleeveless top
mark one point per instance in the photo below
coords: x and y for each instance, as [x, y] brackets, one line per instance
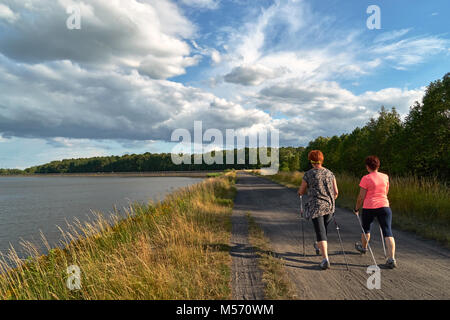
[320, 200]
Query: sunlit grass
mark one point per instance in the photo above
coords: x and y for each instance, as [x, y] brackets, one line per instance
[289, 179]
[176, 249]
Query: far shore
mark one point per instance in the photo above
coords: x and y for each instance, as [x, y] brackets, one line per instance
[199, 174]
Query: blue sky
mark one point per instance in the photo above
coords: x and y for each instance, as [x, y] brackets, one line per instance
[138, 70]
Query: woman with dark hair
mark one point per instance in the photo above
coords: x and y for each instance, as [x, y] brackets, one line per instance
[374, 188]
[320, 185]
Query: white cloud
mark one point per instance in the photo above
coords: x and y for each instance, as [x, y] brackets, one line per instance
[410, 51]
[327, 109]
[258, 53]
[7, 14]
[209, 4]
[253, 75]
[391, 35]
[289, 35]
[125, 33]
[402, 99]
[307, 99]
[215, 56]
[107, 80]
[64, 100]
[166, 67]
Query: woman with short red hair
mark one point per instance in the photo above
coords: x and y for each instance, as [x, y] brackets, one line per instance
[320, 185]
[374, 188]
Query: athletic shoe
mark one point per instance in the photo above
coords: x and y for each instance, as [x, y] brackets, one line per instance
[316, 247]
[325, 264]
[391, 263]
[359, 247]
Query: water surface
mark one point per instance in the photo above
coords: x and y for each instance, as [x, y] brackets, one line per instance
[31, 204]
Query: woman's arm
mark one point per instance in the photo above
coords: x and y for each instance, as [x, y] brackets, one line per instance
[360, 200]
[336, 191]
[302, 190]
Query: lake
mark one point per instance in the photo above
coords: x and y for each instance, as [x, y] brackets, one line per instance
[29, 205]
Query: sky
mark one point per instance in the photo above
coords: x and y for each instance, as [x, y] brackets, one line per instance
[136, 70]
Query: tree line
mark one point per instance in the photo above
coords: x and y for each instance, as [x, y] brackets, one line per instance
[148, 162]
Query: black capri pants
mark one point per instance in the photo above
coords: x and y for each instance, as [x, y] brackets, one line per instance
[321, 225]
[384, 217]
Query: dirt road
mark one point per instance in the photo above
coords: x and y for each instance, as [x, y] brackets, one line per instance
[423, 267]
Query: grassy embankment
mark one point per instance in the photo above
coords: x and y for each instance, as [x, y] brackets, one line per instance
[419, 205]
[177, 249]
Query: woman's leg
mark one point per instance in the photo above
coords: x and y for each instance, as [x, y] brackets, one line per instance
[367, 217]
[385, 220]
[323, 246]
[321, 235]
[365, 242]
[391, 247]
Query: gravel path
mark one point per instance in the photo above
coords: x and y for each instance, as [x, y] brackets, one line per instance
[423, 272]
[246, 277]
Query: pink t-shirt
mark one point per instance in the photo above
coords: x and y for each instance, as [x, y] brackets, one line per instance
[377, 186]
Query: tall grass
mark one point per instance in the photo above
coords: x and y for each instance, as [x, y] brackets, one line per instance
[176, 249]
[420, 205]
[289, 179]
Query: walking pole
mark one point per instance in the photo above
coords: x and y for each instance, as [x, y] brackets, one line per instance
[303, 227]
[382, 241]
[367, 241]
[340, 240]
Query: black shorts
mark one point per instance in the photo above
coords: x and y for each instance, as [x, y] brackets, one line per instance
[321, 225]
[384, 217]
